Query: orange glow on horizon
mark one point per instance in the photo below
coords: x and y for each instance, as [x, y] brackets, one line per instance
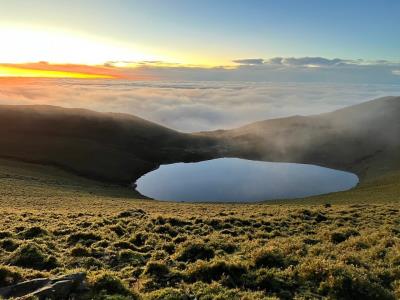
[15, 71]
[59, 46]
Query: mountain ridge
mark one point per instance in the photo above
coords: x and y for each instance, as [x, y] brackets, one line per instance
[119, 148]
[350, 138]
[110, 147]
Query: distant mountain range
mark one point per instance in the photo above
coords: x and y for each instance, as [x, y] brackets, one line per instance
[119, 148]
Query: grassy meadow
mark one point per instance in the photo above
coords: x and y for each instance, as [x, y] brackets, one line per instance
[339, 246]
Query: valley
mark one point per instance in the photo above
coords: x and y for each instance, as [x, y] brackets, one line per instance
[66, 208]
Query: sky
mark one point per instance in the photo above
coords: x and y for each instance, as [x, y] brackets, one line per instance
[199, 65]
[208, 32]
[230, 29]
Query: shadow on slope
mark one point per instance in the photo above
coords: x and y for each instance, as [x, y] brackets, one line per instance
[119, 148]
[110, 147]
[364, 139]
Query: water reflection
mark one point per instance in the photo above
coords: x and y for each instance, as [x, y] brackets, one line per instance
[240, 180]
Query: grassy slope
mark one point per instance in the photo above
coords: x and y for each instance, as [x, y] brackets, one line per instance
[120, 148]
[300, 249]
[385, 188]
[38, 185]
[111, 147]
[364, 139]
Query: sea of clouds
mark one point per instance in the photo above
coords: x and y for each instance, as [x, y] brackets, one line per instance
[197, 105]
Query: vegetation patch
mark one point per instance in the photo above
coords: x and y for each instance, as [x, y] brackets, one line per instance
[340, 236]
[195, 250]
[86, 238]
[107, 286]
[134, 248]
[269, 258]
[9, 276]
[31, 256]
[33, 232]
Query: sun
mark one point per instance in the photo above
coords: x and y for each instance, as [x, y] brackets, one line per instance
[25, 44]
[22, 46]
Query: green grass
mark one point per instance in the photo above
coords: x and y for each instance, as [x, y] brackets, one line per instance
[382, 189]
[340, 246]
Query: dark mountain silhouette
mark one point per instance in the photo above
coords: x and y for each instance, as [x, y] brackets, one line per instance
[112, 147]
[364, 139]
[119, 148]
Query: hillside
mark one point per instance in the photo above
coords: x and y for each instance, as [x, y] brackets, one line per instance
[339, 246]
[106, 146]
[364, 139]
[119, 148]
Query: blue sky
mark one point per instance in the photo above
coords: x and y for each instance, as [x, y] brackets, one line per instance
[191, 31]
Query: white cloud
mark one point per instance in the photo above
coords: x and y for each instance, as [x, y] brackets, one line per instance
[396, 72]
[195, 106]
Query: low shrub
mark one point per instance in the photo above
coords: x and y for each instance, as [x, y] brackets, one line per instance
[316, 270]
[110, 285]
[131, 257]
[227, 247]
[9, 244]
[33, 232]
[31, 256]
[229, 232]
[180, 239]
[156, 269]
[159, 255]
[215, 290]
[178, 222]
[271, 281]
[118, 230]
[195, 250]
[320, 218]
[9, 276]
[350, 286]
[5, 234]
[131, 213]
[125, 245]
[215, 270]
[166, 229]
[167, 294]
[169, 248]
[340, 236]
[139, 239]
[80, 251]
[159, 275]
[269, 258]
[85, 238]
[87, 263]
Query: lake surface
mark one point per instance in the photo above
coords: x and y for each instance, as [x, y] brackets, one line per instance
[240, 180]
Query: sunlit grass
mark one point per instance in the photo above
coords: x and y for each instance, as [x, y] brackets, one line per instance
[341, 246]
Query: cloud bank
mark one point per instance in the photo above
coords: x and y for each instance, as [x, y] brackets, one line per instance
[195, 105]
[195, 98]
[277, 69]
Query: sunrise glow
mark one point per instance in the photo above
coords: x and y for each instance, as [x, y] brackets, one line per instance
[57, 46]
[6, 71]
